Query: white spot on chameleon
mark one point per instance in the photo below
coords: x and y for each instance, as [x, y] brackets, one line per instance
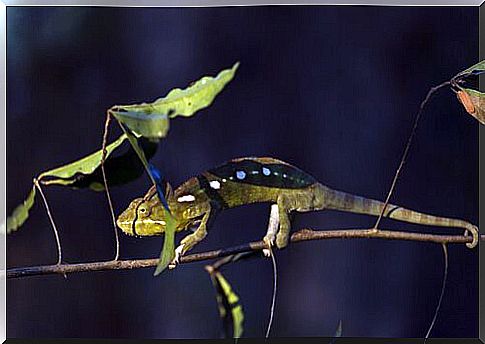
[186, 198]
[266, 171]
[215, 184]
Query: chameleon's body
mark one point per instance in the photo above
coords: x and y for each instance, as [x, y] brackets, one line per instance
[256, 180]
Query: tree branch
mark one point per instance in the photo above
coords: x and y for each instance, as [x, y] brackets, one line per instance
[302, 235]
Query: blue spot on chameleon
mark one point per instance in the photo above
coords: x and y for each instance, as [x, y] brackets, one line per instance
[266, 171]
[240, 175]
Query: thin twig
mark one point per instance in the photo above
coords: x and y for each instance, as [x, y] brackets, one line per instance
[51, 219]
[105, 181]
[302, 235]
[406, 150]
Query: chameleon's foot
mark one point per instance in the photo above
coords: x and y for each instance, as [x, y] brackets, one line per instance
[273, 225]
[178, 253]
[269, 241]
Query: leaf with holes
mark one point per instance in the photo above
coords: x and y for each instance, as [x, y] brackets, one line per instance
[184, 102]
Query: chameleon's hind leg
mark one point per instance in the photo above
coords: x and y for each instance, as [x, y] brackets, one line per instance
[273, 224]
[284, 209]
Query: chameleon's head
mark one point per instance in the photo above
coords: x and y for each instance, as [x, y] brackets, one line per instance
[144, 216]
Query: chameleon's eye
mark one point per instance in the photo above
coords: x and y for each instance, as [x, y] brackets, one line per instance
[143, 210]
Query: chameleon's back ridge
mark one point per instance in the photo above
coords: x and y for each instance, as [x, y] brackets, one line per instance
[266, 172]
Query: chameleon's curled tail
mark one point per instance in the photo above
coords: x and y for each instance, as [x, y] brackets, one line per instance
[343, 201]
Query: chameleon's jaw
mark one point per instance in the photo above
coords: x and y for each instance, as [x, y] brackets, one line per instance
[125, 224]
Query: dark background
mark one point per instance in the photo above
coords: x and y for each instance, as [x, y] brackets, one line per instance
[332, 90]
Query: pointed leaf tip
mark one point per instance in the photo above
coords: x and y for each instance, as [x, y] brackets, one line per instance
[168, 250]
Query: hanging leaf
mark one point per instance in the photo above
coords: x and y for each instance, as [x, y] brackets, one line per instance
[188, 101]
[230, 310]
[474, 103]
[86, 172]
[168, 251]
[68, 174]
[21, 213]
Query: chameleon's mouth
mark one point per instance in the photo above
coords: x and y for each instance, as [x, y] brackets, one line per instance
[144, 227]
[125, 226]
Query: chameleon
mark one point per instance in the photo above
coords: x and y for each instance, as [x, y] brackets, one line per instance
[196, 202]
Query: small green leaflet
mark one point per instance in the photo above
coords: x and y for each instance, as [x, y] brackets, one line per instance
[21, 213]
[230, 310]
[188, 101]
[168, 251]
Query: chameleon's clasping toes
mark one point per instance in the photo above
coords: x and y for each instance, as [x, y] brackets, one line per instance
[178, 253]
[269, 242]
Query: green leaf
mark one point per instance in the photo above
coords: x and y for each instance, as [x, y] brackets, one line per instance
[168, 251]
[67, 174]
[479, 67]
[188, 101]
[230, 309]
[85, 172]
[149, 126]
[21, 213]
[473, 102]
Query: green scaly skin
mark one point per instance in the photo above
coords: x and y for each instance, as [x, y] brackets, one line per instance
[257, 180]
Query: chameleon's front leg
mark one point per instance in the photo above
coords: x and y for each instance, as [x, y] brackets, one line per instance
[191, 240]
